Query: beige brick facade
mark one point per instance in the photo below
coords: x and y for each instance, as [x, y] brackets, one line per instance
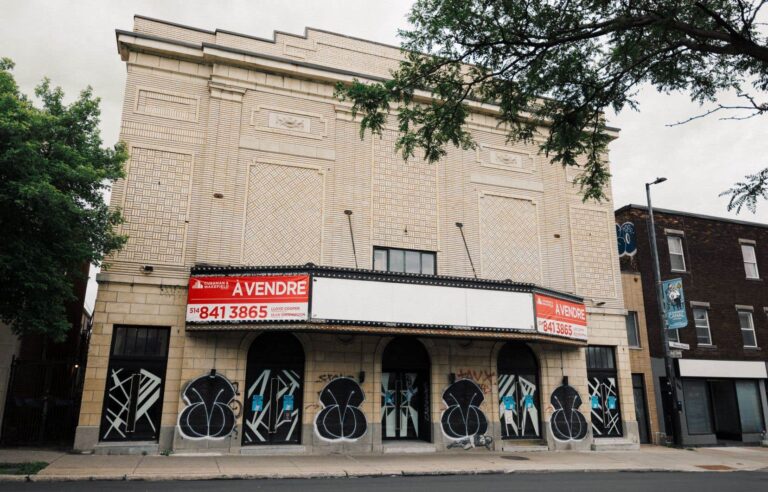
[640, 357]
[240, 155]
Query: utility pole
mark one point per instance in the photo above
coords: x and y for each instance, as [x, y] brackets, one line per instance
[670, 369]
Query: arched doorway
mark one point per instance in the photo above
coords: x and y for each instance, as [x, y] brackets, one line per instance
[274, 382]
[519, 402]
[405, 391]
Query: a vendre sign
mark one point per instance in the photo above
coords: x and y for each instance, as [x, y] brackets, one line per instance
[248, 298]
[560, 318]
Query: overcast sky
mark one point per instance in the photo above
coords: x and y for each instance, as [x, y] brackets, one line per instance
[73, 43]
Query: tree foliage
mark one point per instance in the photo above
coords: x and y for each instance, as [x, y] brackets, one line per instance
[561, 64]
[53, 217]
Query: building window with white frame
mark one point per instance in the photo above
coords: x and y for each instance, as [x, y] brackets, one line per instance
[633, 333]
[750, 260]
[747, 328]
[676, 255]
[701, 320]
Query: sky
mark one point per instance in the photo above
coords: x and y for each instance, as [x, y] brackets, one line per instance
[73, 43]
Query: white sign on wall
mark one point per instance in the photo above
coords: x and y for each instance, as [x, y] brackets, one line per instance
[391, 302]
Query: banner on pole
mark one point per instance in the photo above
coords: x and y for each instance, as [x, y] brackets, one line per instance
[674, 303]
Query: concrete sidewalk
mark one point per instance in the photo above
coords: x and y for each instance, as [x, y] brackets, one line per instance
[649, 458]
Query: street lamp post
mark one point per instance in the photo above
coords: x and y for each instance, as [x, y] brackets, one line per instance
[670, 370]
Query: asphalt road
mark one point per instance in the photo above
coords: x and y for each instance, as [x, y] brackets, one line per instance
[560, 482]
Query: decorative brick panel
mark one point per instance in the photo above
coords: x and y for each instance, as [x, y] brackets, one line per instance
[404, 198]
[171, 105]
[284, 215]
[509, 238]
[155, 206]
[592, 248]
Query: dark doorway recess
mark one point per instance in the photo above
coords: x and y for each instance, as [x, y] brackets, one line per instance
[274, 384]
[519, 402]
[405, 402]
[641, 408]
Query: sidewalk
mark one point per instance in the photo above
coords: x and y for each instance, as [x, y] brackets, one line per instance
[651, 458]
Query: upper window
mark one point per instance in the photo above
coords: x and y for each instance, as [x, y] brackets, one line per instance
[676, 256]
[633, 335]
[139, 341]
[750, 260]
[701, 319]
[673, 335]
[599, 357]
[747, 329]
[403, 260]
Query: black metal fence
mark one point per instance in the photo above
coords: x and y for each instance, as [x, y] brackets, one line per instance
[42, 403]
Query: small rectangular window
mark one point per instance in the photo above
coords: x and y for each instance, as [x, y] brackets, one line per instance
[380, 260]
[403, 260]
[140, 341]
[747, 329]
[673, 335]
[633, 335]
[701, 320]
[676, 256]
[750, 260]
[600, 357]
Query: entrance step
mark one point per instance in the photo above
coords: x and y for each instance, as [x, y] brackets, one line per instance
[272, 450]
[523, 446]
[614, 444]
[127, 447]
[408, 447]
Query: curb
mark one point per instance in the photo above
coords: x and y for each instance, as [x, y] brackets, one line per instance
[339, 474]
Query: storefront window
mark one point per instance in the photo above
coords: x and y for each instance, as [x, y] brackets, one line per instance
[749, 407]
[697, 406]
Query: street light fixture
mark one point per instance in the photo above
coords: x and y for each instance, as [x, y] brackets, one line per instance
[670, 370]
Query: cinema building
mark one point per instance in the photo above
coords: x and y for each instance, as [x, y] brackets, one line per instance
[290, 288]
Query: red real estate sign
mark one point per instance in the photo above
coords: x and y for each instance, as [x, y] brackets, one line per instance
[560, 318]
[248, 298]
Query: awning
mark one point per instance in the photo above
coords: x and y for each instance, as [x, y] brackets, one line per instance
[386, 331]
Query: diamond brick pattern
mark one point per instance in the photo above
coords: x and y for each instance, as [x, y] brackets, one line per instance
[510, 239]
[155, 209]
[404, 196]
[284, 215]
[592, 245]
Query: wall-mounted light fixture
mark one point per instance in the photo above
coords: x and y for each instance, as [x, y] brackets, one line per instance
[361, 377]
[565, 380]
[212, 374]
[147, 268]
[451, 378]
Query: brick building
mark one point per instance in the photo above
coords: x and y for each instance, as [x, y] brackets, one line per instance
[289, 287]
[722, 371]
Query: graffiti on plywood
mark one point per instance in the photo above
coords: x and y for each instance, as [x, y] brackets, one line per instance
[463, 421]
[341, 418]
[209, 413]
[567, 422]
